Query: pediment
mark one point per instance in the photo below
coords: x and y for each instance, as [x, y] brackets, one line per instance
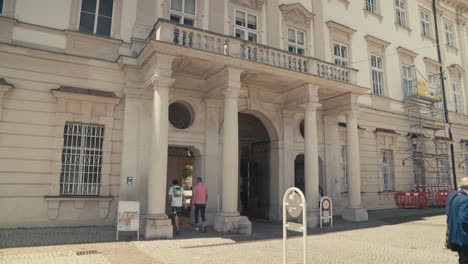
[253, 4]
[296, 14]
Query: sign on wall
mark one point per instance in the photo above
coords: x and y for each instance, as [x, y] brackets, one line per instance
[128, 218]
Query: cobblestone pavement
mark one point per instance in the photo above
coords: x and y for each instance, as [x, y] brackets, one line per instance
[394, 238]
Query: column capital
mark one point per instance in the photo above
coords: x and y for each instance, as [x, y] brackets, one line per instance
[158, 82]
[310, 106]
[352, 114]
[231, 92]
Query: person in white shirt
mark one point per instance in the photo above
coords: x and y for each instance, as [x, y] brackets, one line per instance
[177, 198]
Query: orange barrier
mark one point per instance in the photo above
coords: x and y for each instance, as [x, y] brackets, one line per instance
[441, 198]
[413, 199]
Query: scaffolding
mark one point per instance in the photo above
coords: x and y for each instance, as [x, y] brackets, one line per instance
[428, 139]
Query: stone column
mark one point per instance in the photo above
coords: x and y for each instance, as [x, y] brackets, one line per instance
[354, 212]
[230, 170]
[311, 163]
[158, 225]
[332, 157]
[229, 220]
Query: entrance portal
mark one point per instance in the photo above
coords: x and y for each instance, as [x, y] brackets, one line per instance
[254, 167]
[299, 172]
[180, 167]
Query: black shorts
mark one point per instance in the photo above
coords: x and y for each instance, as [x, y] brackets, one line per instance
[176, 210]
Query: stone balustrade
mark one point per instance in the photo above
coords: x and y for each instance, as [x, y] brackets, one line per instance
[190, 37]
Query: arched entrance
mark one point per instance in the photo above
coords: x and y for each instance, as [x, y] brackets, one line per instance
[254, 167]
[299, 172]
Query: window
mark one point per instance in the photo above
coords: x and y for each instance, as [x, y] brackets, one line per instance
[81, 159]
[419, 171]
[449, 34]
[400, 12]
[377, 75]
[2, 6]
[246, 26]
[457, 98]
[444, 171]
[371, 6]
[344, 167]
[386, 166]
[96, 16]
[341, 54]
[465, 161]
[183, 12]
[296, 41]
[407, 76]
[425, 23]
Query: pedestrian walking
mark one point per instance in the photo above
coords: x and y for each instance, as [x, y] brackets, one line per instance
[457, 221]
[200, 196]
[177, 198]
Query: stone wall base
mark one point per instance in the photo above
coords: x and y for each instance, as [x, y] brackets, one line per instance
[158, 228]
[355, 214]
[233, 224]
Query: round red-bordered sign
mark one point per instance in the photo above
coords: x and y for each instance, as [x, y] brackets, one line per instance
[326, 204]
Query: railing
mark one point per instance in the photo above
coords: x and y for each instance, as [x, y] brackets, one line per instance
[190, 37]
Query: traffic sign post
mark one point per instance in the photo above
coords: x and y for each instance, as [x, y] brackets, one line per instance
[294, 204]
[326, 211]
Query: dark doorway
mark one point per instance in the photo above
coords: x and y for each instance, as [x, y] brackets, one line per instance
[254, 167]
[299, 172]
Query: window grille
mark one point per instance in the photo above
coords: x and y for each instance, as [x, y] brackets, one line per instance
[466, 165]
[183, 12]
[407, 76]
[386, 164]
[371, 6]
[341, 54]
[425, 24]
[81, 159]
[377, 75]
[457, 98]
[344, 167]
[400, 12]
[296, 40]
[246, 26]
[96, 16]
[449, 34]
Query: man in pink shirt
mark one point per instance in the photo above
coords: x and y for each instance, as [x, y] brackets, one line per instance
[199, 198]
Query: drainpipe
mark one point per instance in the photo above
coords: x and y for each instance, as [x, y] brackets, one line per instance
[444, 98]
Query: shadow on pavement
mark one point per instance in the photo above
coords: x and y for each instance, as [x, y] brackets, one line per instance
[262, 230]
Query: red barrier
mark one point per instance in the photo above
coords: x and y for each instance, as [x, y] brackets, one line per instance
[432, 189]
[414, 199]
[441, 198]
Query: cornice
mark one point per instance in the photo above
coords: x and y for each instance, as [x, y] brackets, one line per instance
[376, 41]
[407, 52]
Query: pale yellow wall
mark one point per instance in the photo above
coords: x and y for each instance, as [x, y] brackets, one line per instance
[48, 13]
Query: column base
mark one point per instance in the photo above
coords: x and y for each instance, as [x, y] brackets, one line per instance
[233, 224]
[355, 214]
[313, 218]
[157, 228]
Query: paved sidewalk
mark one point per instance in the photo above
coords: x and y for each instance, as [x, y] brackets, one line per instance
[391, 236]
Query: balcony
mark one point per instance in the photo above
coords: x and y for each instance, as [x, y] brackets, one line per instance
[199, 39]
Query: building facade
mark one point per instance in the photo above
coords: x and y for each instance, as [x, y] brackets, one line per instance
[104, 100]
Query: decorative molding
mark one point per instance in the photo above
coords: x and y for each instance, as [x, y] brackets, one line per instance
[253, 4]
[371, 40]
[82, 94]
[429, 61]
[406, 52]
[337, 27]
[296, 14]
[456, 72]
[4, 87]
